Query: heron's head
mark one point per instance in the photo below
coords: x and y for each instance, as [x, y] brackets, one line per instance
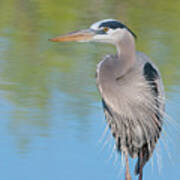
[106, 31]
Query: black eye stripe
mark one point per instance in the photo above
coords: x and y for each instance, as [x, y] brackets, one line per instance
[112, 24]
[115, 25]
[101, 32]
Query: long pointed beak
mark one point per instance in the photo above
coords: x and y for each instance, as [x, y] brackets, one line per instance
[77, 36]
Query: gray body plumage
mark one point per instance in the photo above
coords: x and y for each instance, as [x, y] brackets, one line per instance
[133, 104]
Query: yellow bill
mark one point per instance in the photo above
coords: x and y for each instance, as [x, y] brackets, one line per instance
[77, 36]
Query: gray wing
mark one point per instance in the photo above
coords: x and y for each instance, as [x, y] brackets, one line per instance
[155, 75]
[152, 75]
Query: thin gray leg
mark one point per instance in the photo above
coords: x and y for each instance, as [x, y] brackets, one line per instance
[128, 176]
[141, 166]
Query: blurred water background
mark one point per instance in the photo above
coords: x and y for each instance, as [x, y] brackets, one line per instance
[51, 117]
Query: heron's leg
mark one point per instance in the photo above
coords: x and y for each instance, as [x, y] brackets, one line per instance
[141, 166]
[128, 176]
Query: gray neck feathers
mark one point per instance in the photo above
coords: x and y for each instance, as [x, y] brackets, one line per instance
[126, 53]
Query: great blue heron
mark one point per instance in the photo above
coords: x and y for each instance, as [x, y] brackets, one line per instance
[131, 89]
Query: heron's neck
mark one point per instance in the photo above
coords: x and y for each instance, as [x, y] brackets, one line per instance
[126, 52]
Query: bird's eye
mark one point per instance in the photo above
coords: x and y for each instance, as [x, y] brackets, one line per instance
[106, 29]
